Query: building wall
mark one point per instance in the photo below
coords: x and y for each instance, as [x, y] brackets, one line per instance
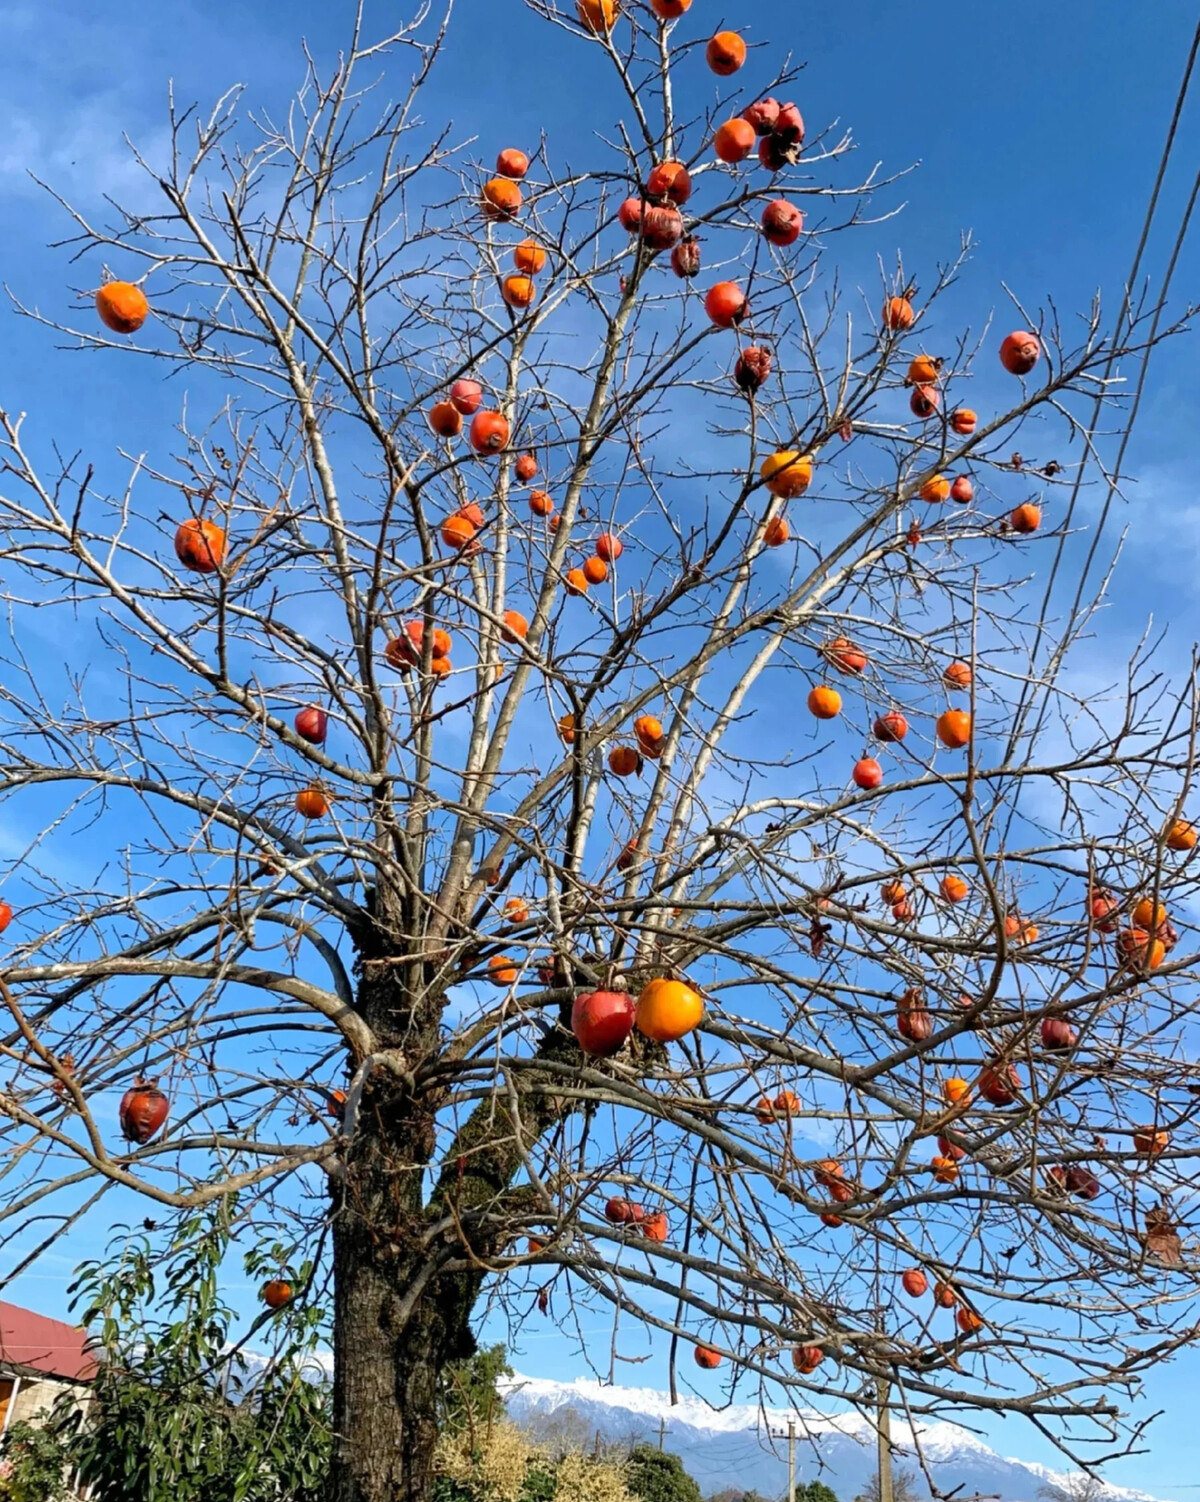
[30, 1400]
[34, 1398]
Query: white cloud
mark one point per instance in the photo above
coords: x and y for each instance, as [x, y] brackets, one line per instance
[79, 152]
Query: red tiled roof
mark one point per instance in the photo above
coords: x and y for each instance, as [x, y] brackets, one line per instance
[44, 1345]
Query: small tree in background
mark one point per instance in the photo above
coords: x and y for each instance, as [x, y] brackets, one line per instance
[815, 1491]
[470, 1394]
[905, 1487]
[527, 618]
[1078, 1487]
[656, 1475]
[564, 1430]
[176, 1413]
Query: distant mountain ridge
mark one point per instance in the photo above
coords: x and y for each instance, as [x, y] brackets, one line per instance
[733, 1446]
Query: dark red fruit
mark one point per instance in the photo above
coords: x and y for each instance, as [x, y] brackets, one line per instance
[467, 396]
[782, 222]
[1104, 910]
[781, 148]
[762, 114]
[313, 724]
[662, 226]
[602, 1020]
[1082, 1182]
[752, 368]
[685, 258]
[630, 214]
[891, 726]
[915, 1024]
[142, 1112]
[951, 1150]
[775, 154]
[924, 401]
[789, 124]
[1058, 1035]
[999, 1084]
[1020, 352]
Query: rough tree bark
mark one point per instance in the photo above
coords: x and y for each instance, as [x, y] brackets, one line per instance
[401, 1315]
[403, 1300]
[395, 1321]
[395, 1328]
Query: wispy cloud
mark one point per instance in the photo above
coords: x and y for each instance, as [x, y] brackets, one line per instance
[80, 152]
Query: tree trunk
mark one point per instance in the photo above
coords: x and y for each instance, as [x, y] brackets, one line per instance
[400, 1317]
[396, 1323]
[385, 1376]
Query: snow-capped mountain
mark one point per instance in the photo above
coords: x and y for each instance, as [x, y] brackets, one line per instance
[744, 1446]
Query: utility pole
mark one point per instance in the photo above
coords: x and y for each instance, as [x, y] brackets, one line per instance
[792, 1461]
[885, 1444]
[662, 1432]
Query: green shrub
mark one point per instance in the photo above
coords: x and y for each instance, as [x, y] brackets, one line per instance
[32, 1465]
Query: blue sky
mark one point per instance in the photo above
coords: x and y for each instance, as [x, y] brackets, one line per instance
[1037, 131]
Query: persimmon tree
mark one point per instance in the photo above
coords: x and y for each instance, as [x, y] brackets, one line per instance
[560, 584]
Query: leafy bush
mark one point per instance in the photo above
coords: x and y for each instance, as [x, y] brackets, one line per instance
[658, 1476]
[32, 1465]
[497, 1462]
[468, 1394]
[175, 1416]
[815, 1491]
